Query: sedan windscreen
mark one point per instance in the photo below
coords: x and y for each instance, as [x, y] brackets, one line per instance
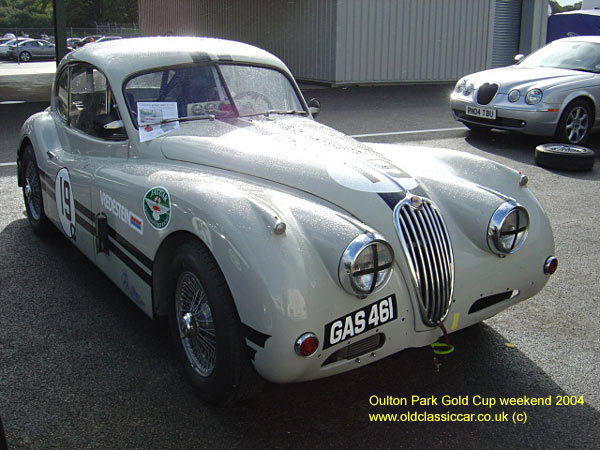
[575, 55]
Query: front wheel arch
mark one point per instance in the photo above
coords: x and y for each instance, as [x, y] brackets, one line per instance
[591, 106]
[160, 269]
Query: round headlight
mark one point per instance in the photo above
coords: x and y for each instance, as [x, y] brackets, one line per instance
[514, 95]
[460, 86]
[469, 89]
[508, 228]
[366, 265]
[533, 96]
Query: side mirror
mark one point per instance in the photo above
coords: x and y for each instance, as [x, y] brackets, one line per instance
[314, 106]
[519, 58]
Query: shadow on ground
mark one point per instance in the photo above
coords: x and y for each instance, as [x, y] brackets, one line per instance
[82, 367]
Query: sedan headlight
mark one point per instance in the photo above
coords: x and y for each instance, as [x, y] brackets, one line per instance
[514, 95]
[366, 265]
[508, 228]
[469, 89]
[533, 96]
[460, 86]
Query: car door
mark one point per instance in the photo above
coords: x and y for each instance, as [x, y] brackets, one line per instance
[81, 105]
[46, 49]
[114, 213]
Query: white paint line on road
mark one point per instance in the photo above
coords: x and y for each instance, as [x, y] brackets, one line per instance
[8, 164]
[397, 133]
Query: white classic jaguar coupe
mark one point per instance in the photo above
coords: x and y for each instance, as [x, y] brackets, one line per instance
[192, 173]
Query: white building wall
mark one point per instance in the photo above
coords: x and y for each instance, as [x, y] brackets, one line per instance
[383, 41]
[356, 41]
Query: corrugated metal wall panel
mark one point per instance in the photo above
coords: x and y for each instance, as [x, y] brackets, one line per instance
[298, 32]
[507, 31]
[381, 41]
[157, 17]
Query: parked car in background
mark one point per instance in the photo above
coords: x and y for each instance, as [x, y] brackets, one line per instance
[191, 171]
[32, 49]
[108, 38]
[555, 91]
[87, 40]
[71, 42]
[5, 47]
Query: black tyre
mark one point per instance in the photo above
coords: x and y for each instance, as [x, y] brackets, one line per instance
[3, 445]
[25, 56]
[206, 329]
[32, 193]
[575, 123]
[564, 157]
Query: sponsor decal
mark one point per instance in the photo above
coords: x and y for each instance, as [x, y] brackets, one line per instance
[122, 212]
[157, 207]
[130, 289]
[65, 202]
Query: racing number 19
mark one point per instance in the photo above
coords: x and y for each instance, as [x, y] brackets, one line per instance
[65, 202]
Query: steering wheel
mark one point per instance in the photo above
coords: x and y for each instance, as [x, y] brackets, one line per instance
[255, 97]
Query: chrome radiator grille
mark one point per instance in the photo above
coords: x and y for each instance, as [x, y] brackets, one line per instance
[427, 247]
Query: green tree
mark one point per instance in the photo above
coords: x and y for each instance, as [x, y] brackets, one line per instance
[79, 13]
[26, 13]
[558, 8]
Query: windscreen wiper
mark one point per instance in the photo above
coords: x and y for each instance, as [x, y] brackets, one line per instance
[277, 111]
[181, 119]
[583, 69]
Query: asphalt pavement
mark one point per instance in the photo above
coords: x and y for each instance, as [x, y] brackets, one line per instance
[82, 367]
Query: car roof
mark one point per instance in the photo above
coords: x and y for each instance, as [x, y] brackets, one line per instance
[593, 39]
[120, 58]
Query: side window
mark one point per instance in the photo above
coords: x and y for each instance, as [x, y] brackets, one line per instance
[92, 106]
[61, 102]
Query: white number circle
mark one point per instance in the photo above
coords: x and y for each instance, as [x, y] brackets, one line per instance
[65, 202]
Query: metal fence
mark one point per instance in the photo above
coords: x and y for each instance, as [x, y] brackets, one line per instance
[107, 29]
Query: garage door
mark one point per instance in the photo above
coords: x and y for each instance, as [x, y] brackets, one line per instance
[507, 30]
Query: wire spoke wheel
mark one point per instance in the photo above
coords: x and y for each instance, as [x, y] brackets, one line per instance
[195, 324]
[32, 190]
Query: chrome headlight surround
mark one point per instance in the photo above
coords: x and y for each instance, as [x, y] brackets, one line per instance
[514, 95]
[469, 88]
[366, 264]
[534, 96]
[508, 228]
[460, 86]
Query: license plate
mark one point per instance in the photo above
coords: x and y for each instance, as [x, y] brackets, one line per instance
[360, 321]
[484, 113]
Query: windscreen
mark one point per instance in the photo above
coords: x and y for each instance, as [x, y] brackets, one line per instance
[225, 92]
[575, 55]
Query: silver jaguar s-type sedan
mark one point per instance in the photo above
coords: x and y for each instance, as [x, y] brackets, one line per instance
[192, 173]
[552, 92]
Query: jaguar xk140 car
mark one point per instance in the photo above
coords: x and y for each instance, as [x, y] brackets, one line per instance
[552, 92]
[192, 173]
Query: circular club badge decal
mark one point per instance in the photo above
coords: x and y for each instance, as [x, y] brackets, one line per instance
[65, 203]
[157, 207]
